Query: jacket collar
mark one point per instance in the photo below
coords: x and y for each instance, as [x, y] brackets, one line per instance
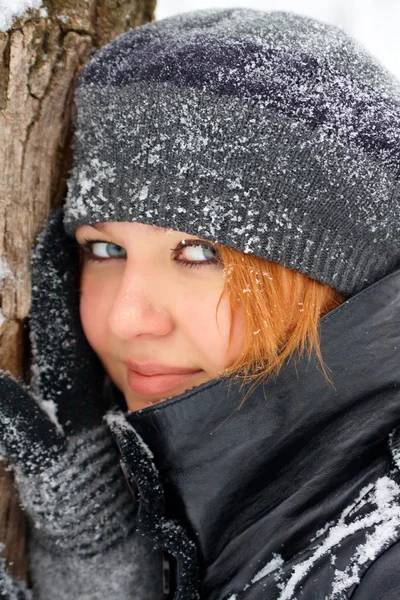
[247, 483]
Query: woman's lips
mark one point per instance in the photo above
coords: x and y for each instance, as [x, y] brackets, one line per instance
[156, 384]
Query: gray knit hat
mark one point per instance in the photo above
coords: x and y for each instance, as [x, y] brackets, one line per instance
[271, 133]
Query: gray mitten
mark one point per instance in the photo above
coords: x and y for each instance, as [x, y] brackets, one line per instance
[83, 542]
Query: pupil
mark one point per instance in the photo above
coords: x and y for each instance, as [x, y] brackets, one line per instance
[114, 250]
[210, 250]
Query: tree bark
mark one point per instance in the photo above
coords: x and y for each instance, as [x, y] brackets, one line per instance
[39, 60]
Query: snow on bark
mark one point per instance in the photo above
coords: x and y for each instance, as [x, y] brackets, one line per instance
[10, 9]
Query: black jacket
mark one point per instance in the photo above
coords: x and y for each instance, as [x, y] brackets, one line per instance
[297, 494]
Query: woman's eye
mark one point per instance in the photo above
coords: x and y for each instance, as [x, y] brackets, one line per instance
[188, 254]
[198, 253]
[107, 250]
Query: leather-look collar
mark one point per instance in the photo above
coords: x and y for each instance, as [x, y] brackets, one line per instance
[251, 482]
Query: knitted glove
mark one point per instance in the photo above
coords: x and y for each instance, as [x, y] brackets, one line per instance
[82, 542]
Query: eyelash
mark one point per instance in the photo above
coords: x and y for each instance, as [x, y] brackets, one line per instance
[87, 251]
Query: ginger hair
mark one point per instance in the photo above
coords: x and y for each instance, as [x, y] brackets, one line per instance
[283, 309]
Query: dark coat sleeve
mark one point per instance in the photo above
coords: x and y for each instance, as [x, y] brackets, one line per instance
[382, 580]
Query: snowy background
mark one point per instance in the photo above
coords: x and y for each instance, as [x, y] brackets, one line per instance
[375, 23]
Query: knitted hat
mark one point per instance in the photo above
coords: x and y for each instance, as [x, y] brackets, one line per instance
[271, 133]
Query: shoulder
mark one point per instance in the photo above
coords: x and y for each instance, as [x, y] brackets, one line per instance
[382, 579]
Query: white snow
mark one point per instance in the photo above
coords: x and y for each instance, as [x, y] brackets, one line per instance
[9, 9]
[381, 524]
[273, 564]
[117, 421]
[50, 408]
[5, 271]
[144, 192]
[385, 518]
[384, 533]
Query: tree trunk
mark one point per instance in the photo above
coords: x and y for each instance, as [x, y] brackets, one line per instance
[39, 60]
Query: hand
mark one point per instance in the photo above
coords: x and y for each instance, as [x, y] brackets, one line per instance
[66, 464]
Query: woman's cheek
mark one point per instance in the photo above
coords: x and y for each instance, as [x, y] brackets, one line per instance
[204, 325]
[95, 302]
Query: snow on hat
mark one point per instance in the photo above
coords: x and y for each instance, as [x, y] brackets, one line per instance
[271, 133]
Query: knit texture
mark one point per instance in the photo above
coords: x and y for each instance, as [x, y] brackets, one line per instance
[80, 503]
[131, 570]
[82, 541]
[271, 133]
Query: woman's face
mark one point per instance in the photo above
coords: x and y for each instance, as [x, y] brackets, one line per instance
[140, 303]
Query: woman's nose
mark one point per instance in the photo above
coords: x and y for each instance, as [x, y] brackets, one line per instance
[138, 308]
